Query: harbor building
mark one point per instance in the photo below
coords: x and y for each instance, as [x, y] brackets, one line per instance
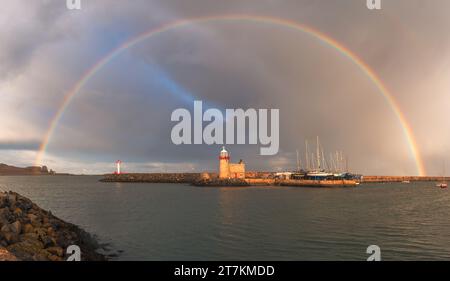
[229, 170]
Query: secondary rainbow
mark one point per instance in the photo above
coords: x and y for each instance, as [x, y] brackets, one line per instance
[240, 18]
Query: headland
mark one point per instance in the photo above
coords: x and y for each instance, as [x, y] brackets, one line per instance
[7, 170]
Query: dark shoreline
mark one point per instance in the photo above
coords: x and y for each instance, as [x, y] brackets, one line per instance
[29, 233]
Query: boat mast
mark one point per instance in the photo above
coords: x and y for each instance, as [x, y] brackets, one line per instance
[346, 164]
[324, 163]
[318, 153]
[333, 166]
[338, 163]
[306, 154]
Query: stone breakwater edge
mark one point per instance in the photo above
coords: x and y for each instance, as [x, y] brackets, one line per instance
[29, 233]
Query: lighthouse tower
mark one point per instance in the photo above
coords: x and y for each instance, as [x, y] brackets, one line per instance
[224, 164]
[118, 167]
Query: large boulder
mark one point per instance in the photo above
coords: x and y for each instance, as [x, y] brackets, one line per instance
[34, 220]
[9, 237]
[24, 204]
[28, 228]
[27, 249]
[16, 227]
[5, 228]
[18, 212]
[5, 216]
[57, 251]
[2, 199]
[11, 198]
[5, 255]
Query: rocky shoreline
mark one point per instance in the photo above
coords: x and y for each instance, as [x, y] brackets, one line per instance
[29, 233]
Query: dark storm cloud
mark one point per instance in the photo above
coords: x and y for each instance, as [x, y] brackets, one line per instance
[124, 110]
[25, 28]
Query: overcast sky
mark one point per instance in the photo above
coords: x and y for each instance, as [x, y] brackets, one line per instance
[123, 112]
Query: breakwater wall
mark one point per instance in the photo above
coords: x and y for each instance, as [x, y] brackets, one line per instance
[261, 182]
[253, 178]
[175, 177]
[321, 183]
[216, 182]
[153, 177]
[259, 175]
[387, 179]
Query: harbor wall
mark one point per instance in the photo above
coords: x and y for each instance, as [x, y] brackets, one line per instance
[253, 178]
[174, 177]
[387, 179]
[262, 182]
[258, 175]
[153, 177]
[319, 183]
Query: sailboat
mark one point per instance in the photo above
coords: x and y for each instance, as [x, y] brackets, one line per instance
[443, 183]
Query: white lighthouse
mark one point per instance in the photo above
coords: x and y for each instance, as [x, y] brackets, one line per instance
[118, 163]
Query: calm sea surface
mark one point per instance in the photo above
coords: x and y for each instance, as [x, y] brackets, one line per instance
[181, 222]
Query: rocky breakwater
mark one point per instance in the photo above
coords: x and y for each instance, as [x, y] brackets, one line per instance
[152, 177]
[216, 182]
[30, 233]
[389, 179]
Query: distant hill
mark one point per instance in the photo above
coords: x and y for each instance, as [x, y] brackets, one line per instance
[6, 170]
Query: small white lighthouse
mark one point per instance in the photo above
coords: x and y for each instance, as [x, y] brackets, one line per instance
[118, 163]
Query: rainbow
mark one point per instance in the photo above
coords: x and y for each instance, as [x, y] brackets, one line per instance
[241, 18]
